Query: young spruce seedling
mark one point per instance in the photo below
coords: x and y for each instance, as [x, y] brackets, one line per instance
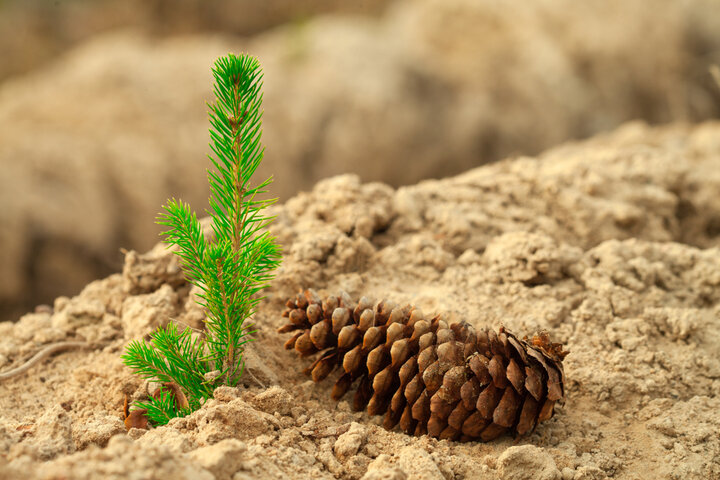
[231, 269]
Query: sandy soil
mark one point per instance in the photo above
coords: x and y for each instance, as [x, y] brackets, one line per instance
[610, 244]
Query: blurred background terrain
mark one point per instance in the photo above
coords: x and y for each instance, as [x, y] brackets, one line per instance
[103, 116]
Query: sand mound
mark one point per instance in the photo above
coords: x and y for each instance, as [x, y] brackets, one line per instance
[608, 244]
[91, 145]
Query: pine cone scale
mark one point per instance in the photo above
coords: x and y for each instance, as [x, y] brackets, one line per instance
[449, 381]
[504, 413]
[527, 415]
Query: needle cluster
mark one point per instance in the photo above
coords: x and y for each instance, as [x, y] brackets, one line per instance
[231, 269]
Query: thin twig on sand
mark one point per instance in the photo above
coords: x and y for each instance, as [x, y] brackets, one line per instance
[42, 354]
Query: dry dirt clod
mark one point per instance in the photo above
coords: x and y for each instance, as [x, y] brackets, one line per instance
[471, 385]
[527, 462]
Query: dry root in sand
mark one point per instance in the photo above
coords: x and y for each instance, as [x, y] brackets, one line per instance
[450, 382]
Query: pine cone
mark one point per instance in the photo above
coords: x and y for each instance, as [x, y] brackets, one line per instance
[448, 382]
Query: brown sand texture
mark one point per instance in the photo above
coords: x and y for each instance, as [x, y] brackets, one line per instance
[610, 244]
